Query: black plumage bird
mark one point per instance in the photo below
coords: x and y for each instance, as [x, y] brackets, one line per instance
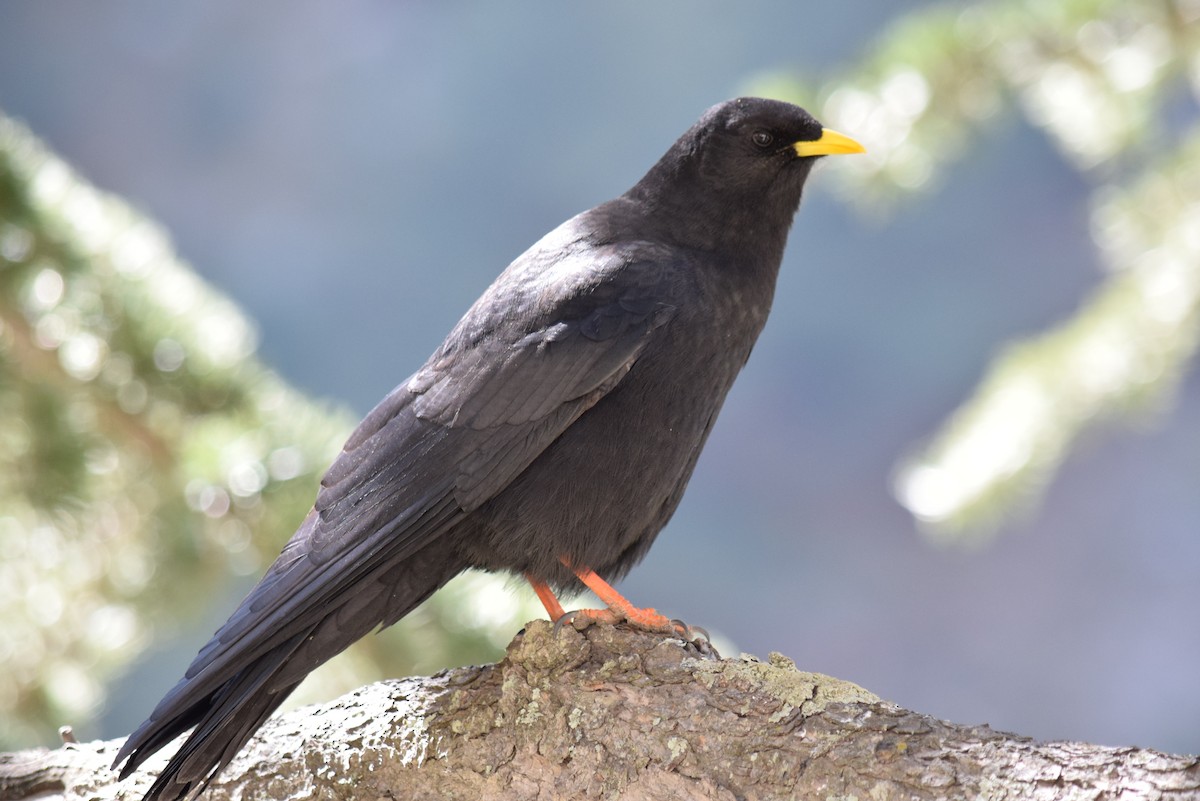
[552, 434]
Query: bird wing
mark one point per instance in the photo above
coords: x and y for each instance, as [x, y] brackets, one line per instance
[550, 337]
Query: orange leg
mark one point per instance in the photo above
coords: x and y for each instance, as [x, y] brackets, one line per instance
[546, 596]
[618, 607]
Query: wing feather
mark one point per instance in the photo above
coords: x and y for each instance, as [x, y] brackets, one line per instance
[547, 341]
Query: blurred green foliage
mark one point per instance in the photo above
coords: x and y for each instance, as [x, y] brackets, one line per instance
[1104, 80]
[146, 456]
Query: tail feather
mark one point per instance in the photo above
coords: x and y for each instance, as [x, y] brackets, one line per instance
[224, 716]
[211, 714]
[201, 759]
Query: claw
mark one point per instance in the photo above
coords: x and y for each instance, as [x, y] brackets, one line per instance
[588, 617]
[691, 633]
[561, 620]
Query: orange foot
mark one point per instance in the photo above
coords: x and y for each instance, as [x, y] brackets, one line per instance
[619, 609]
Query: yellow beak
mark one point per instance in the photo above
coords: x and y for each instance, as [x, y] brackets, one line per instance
[831, 143]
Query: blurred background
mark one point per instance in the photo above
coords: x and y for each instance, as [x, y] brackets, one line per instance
[960, 468]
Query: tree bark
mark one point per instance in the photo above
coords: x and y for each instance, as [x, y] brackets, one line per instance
[611, 713]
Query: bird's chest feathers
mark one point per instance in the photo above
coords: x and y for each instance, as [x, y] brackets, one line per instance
[683, 378]
[737, 303]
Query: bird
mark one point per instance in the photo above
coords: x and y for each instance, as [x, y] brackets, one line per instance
[551, 435]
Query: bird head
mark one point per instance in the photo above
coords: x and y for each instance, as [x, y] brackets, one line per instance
[740, 169]
[755, 145]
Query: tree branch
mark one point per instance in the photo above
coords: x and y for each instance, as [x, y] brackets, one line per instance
[614, 713]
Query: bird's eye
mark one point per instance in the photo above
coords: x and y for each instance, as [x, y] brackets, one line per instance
[762, 138]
